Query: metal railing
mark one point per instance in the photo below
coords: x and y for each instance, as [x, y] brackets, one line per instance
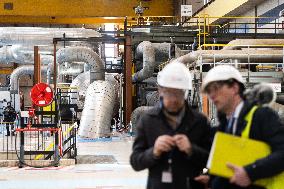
[39, 145]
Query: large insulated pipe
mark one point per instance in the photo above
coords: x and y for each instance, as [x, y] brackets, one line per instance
[73, 69]
[22, 70]
[152, 98]
[40, 36]
[152, 54]
[14, 54]
[218, 55]
[244, 43]
[82, 82]
[98, 110]
[148, 53]
[136, 114]
[83, 54]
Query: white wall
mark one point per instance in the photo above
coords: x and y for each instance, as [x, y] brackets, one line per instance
[262, 9]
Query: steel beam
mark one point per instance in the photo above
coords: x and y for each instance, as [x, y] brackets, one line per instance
[85, 8]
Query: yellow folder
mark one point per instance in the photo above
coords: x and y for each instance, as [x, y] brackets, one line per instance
[239, 151]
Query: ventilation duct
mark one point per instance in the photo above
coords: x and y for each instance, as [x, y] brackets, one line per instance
[152, 98]
[82, 82]
[218, 55]
[23, 70]
[83, 54]
[245, 43]
[136, 114]
[15, 54]
[152, 54]
[31, 36]
[73, 69]
[101, 96]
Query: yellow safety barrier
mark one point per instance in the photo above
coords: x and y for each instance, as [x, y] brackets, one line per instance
[52, 144]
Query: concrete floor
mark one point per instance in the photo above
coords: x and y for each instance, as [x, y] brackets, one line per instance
[117, 175]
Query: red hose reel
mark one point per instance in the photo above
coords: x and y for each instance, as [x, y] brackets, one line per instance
[41, 94]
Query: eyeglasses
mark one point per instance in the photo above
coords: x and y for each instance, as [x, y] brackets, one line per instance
[214, 86]
[176, 94]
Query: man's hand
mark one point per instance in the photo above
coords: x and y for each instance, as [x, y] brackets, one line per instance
[162, 144]
[204, 179]
[240, 176]
[183, 143]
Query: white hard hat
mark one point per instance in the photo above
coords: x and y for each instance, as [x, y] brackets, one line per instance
[175, 75]
[222, 73]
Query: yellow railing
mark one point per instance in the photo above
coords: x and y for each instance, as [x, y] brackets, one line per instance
[204, 26]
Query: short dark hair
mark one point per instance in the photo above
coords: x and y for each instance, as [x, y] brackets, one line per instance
[231, 82]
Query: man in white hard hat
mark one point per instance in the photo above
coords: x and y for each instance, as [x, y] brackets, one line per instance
[225, 87]
[172, 139]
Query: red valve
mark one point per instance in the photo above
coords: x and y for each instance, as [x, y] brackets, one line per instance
[41, 94]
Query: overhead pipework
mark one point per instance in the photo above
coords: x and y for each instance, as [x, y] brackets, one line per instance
[152, 54]
[23, 70]
[32, 36]
[18, 54]
[83, 54]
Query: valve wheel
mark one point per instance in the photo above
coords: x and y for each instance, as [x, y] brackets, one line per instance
[41, 94]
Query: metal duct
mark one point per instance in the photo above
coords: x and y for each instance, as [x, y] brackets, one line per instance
[28, 70]
[243, 43]
[98, 110]
[83, 54]
[82, 82]
[15, 54]
[218, 55]
[23, 70]
[152, 98]
[136, 114]
[73, 69]
[148, 51]
[152, 54]
[31, 36]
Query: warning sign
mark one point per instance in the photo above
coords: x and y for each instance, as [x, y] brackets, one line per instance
[186, 10]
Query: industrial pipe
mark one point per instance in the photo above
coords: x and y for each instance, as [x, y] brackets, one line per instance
[218, 55]
[152, 54]
[136, 114]
[22, 70]
[260, 43]
[98, 109]
[83, 54]
[32, 36]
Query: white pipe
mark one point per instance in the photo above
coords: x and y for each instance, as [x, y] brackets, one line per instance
[16, 54]
[260, 43]
[152, 54]
[136, 114]
[22, 70]
[40, 36]
[98, 110]
[73, 69]
[148, 52]
[83, 54]
[262, 55]
[82, 82]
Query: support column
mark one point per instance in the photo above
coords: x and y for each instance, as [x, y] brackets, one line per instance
[128, 79]
[37, 71]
